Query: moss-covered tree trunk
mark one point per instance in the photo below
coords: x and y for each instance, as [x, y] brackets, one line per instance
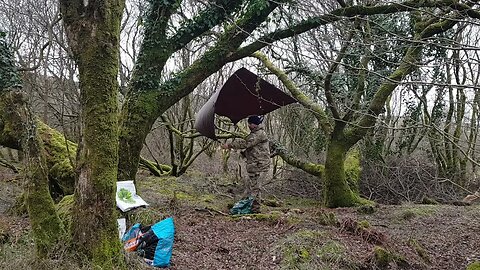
[46, 225]
[18, 128]
[137, 117]
[18, 122]
[336, 191]
[93, 30]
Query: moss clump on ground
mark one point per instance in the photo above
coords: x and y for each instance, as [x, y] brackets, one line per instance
[311, 249]
[383, 257]
[420, 250]
[272, 203]
[327, 218]
[474, 266]
[364, 224]
[418, 211]
[366, 209]
[208, 198]
[272, 217]
[428, 200]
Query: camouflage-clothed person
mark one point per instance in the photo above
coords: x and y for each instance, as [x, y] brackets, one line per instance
[257, 153]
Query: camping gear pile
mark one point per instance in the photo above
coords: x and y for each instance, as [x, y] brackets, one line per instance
[153, 243]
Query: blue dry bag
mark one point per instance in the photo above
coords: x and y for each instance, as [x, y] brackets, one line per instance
[156, 244]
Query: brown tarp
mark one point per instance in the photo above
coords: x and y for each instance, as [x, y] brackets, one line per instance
[244, 94]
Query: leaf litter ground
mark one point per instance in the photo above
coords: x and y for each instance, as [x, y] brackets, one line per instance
[287, 237]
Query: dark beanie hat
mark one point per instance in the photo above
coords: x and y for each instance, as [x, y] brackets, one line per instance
[255, 119]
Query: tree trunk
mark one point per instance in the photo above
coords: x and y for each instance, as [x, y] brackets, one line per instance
[18, 128]
[93, 30]
[337, 192]
[46, 225]
[137, 118]
[18, 123]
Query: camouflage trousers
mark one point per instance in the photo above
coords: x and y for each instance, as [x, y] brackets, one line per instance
[255, 184]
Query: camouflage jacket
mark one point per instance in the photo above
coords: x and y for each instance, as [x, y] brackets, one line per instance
[257, 151]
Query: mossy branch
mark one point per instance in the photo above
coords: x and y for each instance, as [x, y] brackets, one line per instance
[328, 78]
[184, 82]
[157, 48]
[407, 66]
[342, 13]
[361, 77]
[309, 167]
[217, 13]
[317, 110]
[154, 168]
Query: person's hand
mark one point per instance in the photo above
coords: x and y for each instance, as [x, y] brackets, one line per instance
[225, 146]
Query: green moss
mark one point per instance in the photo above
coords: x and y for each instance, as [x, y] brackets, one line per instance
[353, 169]
[364, 224]
[474, 266]
[304, 254]
[272, 202]
[181, 190]
[337, 190]
[64, 211]
[420, 250]
[59, 156]
[310, 234]
[315, 169]
[331, 251]
[327, 218]
[96, 54]
[366, 209]
[293, 219]
[383, 257]
[183, 196]
[312, 249]
[137, 117]
[428, 200]
[208, 198]
[46, 225]
[297, 249]
[271, 217]
[107, 254]
[418, 211]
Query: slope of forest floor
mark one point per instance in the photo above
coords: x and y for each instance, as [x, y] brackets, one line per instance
[298, 234]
